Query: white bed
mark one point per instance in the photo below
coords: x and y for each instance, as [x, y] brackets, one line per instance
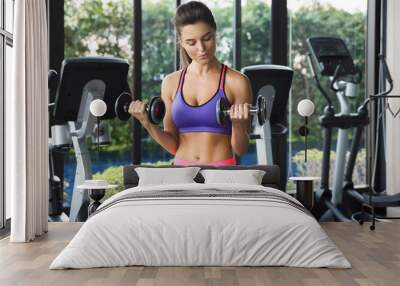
[224, 225]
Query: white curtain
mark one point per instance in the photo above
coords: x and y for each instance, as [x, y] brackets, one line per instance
[27, 123]
[393, 123]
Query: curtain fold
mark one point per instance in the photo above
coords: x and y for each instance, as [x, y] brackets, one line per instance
[27, 123]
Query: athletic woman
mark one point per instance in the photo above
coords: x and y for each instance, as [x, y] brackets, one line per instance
[191, 131]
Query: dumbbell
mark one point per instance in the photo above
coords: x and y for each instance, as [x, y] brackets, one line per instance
[155, 109]
[222, 111]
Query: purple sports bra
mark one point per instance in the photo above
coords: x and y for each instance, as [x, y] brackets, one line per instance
[201, 118]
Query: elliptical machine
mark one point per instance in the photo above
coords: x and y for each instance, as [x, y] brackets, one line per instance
[333, 59]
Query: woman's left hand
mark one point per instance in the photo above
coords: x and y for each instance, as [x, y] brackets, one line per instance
[239, 113]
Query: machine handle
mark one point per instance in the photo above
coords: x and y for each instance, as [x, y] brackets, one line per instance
[315, 78]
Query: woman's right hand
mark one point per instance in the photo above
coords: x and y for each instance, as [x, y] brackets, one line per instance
[137, 109]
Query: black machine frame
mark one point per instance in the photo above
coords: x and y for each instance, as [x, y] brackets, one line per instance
[76, 72]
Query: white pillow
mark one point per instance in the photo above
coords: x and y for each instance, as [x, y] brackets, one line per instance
[163, 176]
[248, 177]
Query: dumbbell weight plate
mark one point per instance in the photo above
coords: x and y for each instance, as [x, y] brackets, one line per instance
[156, 110]
[262, 110]
[220, 112]
[122, 105]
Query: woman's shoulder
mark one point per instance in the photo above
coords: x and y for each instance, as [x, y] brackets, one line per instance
[236, 79]
[172, 79]
[237, 85]
[173, 75]
[170, 83]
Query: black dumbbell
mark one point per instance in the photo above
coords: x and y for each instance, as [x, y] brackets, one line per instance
[222, 111]
[155, 109]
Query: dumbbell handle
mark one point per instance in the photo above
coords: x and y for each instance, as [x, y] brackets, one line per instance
[126, 107]
[222, 111]
[252, 110]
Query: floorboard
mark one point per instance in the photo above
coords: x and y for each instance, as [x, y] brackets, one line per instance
[374, 255]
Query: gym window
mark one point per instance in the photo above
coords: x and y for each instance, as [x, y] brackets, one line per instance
[111, 34]
[322, 18]
[6, 45]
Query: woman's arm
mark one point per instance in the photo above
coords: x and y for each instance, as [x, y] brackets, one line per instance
[167, 138]
[241, 99]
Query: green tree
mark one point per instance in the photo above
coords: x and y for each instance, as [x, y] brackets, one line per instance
[256, 33]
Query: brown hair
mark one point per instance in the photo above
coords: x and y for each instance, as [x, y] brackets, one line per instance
[188, 14]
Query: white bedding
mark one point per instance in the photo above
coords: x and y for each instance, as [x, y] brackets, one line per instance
[190, 230]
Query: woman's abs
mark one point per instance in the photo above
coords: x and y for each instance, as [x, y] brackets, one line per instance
[204, 147]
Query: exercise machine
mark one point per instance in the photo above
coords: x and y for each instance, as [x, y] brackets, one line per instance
[333, 60]
[83, 80]
[272, 82]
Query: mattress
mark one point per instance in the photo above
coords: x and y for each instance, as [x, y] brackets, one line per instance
[201, 225]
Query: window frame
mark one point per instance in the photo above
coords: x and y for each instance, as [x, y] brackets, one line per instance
[6, 39]
[279, 23]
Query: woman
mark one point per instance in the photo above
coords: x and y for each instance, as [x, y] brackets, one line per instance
[191, 131]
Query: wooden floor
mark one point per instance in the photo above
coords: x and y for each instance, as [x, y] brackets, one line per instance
[374, 255]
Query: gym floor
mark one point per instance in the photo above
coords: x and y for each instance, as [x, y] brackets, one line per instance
[374, 255]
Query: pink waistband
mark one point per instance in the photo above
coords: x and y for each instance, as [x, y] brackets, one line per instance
[226, 162]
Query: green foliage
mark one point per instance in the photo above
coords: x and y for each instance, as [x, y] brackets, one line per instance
[107, 23]
[256, 33]
[114, 176]
[158, 54]
[314, 165]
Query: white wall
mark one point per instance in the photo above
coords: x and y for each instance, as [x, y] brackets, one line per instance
[393, 124]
